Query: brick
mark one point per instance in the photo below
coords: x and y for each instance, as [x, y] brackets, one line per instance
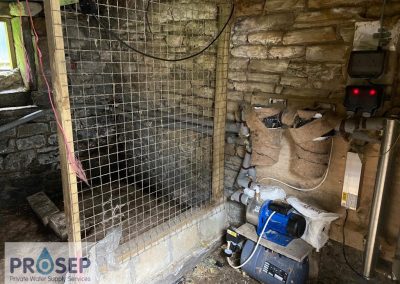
[30, 129]
[267, 38]
[347, 33]
[32, 142]
[52, 139]
[316, 71]
[239, 39]
[318, 4]
[268, 65]
[317, 35]
[294, 81]
[326, 53]
[174, 40]
[9, 133]
[283, 5]
[238, 63]
[260, 99]
[19, 161]
[237, 76]
[264, 23]
[7, 146]
[282, 52]
[304, 92]
[234, 96]
[179, 12]
[249, 7]
[263, 77]
[254, 87]
[203, 92]
[48, 158]
[328, 17]
[250, 51]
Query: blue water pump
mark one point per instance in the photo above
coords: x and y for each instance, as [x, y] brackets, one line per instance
[285, 225]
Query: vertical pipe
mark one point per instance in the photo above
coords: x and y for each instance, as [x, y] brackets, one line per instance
[382, 181]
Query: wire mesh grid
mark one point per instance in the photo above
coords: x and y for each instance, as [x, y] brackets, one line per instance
[142, 127]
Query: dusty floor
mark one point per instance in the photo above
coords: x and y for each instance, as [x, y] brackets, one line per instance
[332, 269]
[214, 269]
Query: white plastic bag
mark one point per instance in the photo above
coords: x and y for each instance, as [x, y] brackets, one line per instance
[272, 193]
[266, 192]
[318, 222]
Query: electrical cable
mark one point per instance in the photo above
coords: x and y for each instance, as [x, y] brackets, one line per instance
[305, 189]
[114, 35]
[74, 162]
[344, 250]
[255, 248]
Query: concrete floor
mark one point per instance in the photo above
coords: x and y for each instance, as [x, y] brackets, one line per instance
[332, 269]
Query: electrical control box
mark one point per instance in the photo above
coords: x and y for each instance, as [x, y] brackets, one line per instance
[367, 64]
[364, 99]
[351, 183]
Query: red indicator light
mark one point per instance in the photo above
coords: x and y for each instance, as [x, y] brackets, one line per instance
[372, 92]
[356, 91]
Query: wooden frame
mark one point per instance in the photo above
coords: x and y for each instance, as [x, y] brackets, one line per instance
[220, 103]
[61, 98]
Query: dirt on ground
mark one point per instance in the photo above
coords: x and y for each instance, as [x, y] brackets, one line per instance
[332, 269]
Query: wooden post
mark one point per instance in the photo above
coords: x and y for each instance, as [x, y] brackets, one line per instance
[61, 98]
[220, 104]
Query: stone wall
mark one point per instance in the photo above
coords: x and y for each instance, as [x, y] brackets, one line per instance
[139, 120]
[29, 159]
[292, 49]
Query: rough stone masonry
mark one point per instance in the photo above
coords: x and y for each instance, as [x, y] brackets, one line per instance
[292, 49]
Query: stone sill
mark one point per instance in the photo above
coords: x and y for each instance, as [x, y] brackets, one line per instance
[15, 97]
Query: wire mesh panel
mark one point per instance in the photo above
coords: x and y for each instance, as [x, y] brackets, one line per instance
[142, 117]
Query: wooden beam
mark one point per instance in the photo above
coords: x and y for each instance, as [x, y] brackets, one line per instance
[220, 105]
[61, 97]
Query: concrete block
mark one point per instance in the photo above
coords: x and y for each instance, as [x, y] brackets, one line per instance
[152, 261]
[42, 206]
[58, 223]
[184, 242]
[213, 227]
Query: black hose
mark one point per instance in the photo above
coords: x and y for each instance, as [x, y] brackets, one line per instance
[167, 59]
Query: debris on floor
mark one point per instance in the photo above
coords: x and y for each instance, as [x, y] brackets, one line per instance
[332, 269]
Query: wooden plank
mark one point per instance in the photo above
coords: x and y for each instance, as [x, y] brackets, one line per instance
[297, 249]
[61, 97]
[220, 102]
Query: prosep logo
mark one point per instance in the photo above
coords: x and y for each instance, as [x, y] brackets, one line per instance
[45, 264]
